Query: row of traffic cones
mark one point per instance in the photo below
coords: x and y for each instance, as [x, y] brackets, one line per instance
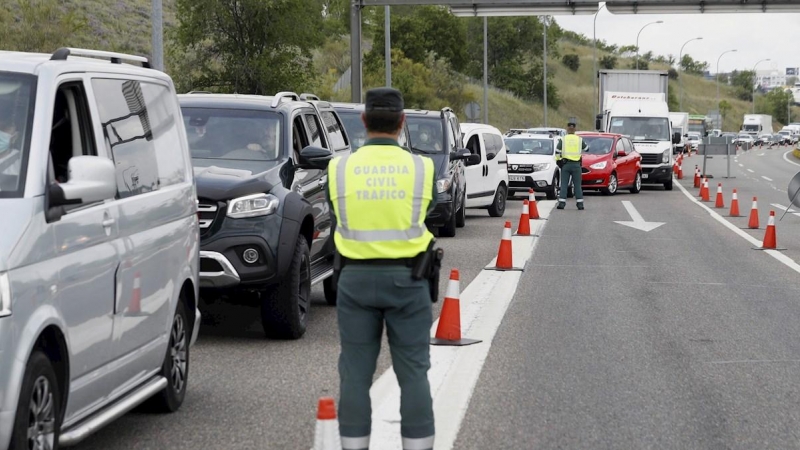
[770, 238]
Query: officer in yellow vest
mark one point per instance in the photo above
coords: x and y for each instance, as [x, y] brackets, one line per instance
[568, 156]
[380, 197]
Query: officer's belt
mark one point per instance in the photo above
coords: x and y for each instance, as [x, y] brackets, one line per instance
[407, 262]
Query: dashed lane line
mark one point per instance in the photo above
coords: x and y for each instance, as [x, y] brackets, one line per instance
[766, 178]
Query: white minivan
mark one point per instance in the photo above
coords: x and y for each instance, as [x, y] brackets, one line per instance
[487, 181]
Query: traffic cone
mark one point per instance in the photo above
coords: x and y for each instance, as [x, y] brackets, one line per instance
[680, 169]
[533, 210]
[326, 434]
[704, 194]
[505, 259]
[734, 204]
[448, 332]
[136, 295]
[770, 240]
[524, 228]
[753, 224]
[720, 202]
[696, 177]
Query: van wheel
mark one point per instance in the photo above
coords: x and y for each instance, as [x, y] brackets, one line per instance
[613, 183]
[37, 420]
[668, 185]
[552, 193]
[637, 184]
[498, 206]
[461, 217]
[449, 229]
[330, 291]
[285, 308]
[176, 365]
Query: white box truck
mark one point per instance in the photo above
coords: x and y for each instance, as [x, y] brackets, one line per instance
[634, 103]
[680, 125]
[757, 124]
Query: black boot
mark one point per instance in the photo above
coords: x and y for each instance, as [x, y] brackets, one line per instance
[561, 205]
[580, 206]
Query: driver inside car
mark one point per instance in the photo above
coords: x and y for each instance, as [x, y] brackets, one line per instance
[428, 139]
[267, 142]
[8, 136]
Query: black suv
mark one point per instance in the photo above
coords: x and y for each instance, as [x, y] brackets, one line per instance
[265, 225]
[437, 135]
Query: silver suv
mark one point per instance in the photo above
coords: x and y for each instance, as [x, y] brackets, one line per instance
[99, 244]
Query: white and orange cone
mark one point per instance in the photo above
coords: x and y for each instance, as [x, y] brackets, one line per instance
[704, 194]
[448, 331]
[753, 222]
[533, 211]
[524, 228]
[770, 239]
[734, 204]
[505, 255]
[696, 177]
[720, 202]
[326, 434]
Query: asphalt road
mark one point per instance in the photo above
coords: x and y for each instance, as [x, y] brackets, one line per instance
[247, 392]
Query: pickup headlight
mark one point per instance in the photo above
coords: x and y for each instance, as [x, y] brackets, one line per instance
[665, 156]
[5, 295]
[252, 206]
[541, 166]
[443, 185]
[599, 166]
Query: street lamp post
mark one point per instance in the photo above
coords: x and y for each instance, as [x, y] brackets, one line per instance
[754, 82]
[637, 40]
[594, 73]
[717, 77]
[680, 65]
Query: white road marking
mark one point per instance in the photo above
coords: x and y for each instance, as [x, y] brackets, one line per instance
[781, 207]
[741, 165]
[751, 170]
[760, 154]
[766, 178]
[637, 221]
[785, 157]
[455, 370]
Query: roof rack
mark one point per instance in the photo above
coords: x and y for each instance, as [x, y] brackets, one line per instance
[516, 131]
[306, 96]
[116, 58]
[280, 96]
[198, 92]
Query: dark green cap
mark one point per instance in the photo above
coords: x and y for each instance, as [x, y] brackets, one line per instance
[384, 99]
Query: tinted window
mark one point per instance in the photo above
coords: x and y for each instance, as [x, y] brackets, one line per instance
[427, 134]
[129, 134]
[17, 97]
[315, 131]
[600, 145]
[162, 109]
[527, 146]
[355, 129]
[474, 145]
[334, 129]
[234, 134]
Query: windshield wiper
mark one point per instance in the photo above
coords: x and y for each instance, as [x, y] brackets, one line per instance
[424, 152]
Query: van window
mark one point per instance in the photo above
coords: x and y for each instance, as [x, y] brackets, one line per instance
[299, 138]
[334, 128]
[130, 132]
[17, 100]
[474, 145]
[71, 130]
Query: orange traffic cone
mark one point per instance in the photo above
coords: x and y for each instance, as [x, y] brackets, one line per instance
[448, 332]
[136, 295]
[770, 240]
[505, 259]
[753, 224]
[680, 169]
[696, 177]
[326, 434]
[720, 203]
[734, 204]
[704, 194]
[524, 228]
[533, 210]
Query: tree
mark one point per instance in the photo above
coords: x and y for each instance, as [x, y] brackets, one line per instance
[672, 73]
[249, 46]
[689, 65]
[791, 81]
[724, 108]
[608, 62]
[778, 102]
[643, 65]
[572, 61]
[742, 83]
[627, 51]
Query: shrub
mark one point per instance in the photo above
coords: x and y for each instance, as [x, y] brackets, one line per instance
[608, 62]
[572, 61]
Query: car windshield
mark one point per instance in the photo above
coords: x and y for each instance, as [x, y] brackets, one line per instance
[426, 134]
[16, 118]
[355, 128]
[529, 146]
[642, 128]
[237, 134]
[599, 145]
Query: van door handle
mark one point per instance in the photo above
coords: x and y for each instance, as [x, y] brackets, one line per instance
[107, 223]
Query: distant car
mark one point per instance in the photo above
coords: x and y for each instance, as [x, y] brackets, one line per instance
[611, 163]
[487, 181]
[532, 164]
[786, 137]
[765, 140]
[744, 139]
[694, 139]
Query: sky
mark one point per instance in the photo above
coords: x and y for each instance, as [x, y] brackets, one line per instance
[754, 36]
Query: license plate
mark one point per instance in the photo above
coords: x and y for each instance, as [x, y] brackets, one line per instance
[516, 178]
[645, 176]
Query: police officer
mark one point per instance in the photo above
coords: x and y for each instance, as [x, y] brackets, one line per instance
[380, 197]
[568, 156]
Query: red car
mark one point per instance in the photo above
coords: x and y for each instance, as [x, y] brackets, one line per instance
[611, 163]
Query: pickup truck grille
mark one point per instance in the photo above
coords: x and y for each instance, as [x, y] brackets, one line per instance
[206, 214]
[649, 158]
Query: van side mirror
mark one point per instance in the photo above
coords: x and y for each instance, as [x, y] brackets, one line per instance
[676, 138]
[91, 179]
[598, 122]
[315, 157]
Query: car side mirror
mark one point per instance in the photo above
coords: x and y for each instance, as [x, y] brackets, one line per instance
[676, 138]
[91, 179]
[621, 153]
[472, 160]
[315, 157]
[460, 154]
[490, 156]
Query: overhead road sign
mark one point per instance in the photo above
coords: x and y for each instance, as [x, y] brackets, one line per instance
[701, 6]
[501, 8]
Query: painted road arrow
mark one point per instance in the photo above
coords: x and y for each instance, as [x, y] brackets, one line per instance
[637, 222]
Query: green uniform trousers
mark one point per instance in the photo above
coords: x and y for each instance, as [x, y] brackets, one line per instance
[368, 297]
[571, 169]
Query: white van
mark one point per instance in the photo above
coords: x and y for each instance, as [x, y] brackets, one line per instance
[487, 181]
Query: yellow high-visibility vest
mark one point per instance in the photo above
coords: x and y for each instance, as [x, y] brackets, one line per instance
[572, 147]
[381, 195]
